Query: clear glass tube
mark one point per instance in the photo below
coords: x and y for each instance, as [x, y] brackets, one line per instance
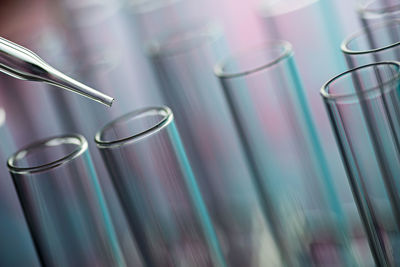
[183, 61]
[268, 104]
[102, 54]
[363, 105]
[152, 18]
[371, 12]
[63, 203]
[16, 247]
[319, 17]
[157, 189]
[378, 42]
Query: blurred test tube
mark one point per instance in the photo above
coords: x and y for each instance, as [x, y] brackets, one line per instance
[16, 247]
[183, 61]
[371, 12]
[153, 18]
[311, 26]
[267, 100]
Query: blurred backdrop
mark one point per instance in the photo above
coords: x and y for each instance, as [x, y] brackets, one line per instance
[117, 47]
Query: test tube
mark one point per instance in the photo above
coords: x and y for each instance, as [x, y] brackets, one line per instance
[378, 42]
[319, 17]
[103, 55]
[363, 105]
[157, 189]
[63, 203]
[16, 247]
[154, 17]
[268, 104]
[371, 12]
[183, 61]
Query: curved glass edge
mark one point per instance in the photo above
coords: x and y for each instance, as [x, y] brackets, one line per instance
[166, 112]
[269, 9]
[206, 30]
[81, 144]
[364, 31]
[287, 52]
[365, 9]
[348, 96]
[146, 6]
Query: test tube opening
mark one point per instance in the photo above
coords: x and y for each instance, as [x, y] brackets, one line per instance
[47, 154]
[366, 41]
[185, 39]
[348, 87]
[134, 126]
[253, 60]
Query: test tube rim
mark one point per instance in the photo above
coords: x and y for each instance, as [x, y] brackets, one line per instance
[146, 7]
[208, 30]
[335, 97]
[363, 31]
[165, 111]
[287, 52]
[363, 9]
[264, 8]
[81, 143]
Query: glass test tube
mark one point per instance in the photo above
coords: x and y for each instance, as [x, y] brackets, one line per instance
[267, 100]
[16, 247]
[157, 189]
[363, 105]
[103, 55]
[286, 20]
[63, 203]
[183, 61]
[371, 12]
[378, 42]
[155, 17]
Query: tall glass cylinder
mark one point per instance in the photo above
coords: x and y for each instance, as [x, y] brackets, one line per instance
[267, 101]
[183, 61]
[63, 203]
[157, 189]
[374, 43]
[363, 105]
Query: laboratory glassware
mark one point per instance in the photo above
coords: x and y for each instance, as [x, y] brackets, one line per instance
[103, 54]
[157, 189]
[63, 203]
[286, 20]
[378, 42]
[16, 247]
[152, 18]
[183, 60]
[371, 12]
[363, 105]
[268, 103]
